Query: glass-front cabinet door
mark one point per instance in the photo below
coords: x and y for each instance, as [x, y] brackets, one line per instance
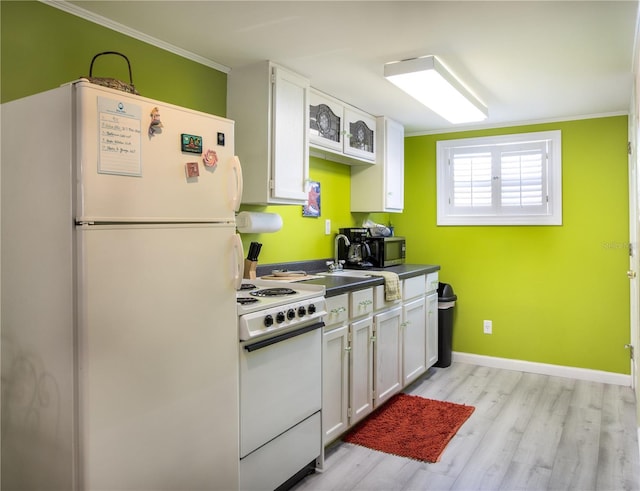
[325, 122]
[359, 134]
[343, 129]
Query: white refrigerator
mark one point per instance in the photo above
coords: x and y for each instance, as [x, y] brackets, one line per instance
[119, 264]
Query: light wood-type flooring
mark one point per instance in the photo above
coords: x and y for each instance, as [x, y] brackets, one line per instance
[528, 432]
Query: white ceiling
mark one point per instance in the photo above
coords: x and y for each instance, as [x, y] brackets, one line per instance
[528, 61]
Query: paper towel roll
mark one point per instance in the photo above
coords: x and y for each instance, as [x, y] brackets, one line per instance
[254, 222]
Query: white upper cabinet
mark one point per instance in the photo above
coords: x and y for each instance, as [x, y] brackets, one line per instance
[326, 121]
[380, 188]
[270, 107]
[339, 131]
[360, 134]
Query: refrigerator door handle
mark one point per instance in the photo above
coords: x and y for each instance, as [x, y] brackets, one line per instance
[239, 269]
[237, 184]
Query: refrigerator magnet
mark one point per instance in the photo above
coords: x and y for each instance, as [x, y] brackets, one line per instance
[221, 139]
[191, 143]
[192, 169]
[156, 125]
[210, 158]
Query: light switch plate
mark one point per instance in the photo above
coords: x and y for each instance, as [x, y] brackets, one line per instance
[327, 227]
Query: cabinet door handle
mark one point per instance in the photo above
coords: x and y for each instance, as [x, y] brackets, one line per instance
[347, 348]
[373, 339]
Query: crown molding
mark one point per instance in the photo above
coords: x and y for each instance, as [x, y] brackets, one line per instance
[512, 124]
[116, 26]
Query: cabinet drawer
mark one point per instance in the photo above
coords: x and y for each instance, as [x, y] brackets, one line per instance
[379, 301]
[414, 287]
[361, 302]
[337, 309]
[432, 282]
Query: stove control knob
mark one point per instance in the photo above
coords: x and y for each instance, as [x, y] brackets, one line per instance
[312, 309]
[302, 311]
[291, 314]
[280, 317]
[268, 321]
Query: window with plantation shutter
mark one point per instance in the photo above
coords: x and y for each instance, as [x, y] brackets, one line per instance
[500, 180]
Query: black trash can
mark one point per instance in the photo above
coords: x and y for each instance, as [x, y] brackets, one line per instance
[446, 302]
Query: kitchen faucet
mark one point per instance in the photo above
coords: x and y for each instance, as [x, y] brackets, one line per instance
[336, 265]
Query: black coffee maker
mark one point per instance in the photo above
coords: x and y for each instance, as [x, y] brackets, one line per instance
[357, 255]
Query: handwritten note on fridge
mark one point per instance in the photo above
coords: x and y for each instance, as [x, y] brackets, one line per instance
[119, 137]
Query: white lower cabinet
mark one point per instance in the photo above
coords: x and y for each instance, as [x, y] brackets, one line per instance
[414, 329]
[347, 373]
[432, 328]
[432, 318]
[388, 355]
[373, 348]
[361, 369]
[335, 382]
[414, 340]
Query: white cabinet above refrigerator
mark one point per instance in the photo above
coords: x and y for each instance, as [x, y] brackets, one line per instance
[269, 105]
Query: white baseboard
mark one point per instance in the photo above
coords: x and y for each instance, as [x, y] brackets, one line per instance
[544, 369]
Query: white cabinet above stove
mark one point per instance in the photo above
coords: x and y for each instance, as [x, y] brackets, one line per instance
[339, 131]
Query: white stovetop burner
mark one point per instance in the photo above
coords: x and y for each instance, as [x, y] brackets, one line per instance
[268, 316]
[302, 291]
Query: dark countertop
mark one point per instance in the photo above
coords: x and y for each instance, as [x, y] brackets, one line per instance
[336, 285]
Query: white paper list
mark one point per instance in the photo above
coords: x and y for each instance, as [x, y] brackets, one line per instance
[119, 138]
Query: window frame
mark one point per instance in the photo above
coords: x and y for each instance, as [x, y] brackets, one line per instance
[548, 213]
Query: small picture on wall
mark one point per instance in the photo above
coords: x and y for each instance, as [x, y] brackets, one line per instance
[312, 208]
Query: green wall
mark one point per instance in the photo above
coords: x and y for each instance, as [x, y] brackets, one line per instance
[43, 47]
[303, 238]
[555, 294]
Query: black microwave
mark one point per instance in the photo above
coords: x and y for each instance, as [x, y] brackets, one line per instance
[387, 251]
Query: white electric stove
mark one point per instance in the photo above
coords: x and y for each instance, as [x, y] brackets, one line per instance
[267, 307]
[280, 357]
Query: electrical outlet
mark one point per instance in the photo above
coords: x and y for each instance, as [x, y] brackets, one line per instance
[327, 227]
[488, 326]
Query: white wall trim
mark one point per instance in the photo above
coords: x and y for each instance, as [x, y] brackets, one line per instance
[480, 126]
[121, 28]
[544, 369]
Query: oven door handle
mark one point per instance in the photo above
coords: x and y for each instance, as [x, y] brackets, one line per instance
[283, 337]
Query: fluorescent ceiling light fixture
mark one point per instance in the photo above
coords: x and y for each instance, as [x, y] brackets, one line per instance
[428, 80]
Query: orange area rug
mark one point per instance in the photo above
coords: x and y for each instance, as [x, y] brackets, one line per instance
[411, 426]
